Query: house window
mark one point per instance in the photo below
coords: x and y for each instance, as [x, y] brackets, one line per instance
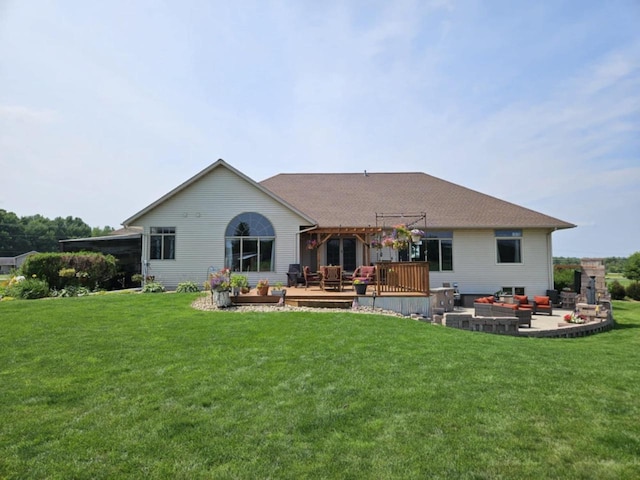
[439, 251]
[513, 290]
[509, 246]
[162, 245]
[249, 243]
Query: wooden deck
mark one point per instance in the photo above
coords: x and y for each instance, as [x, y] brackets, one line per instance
[316, 297]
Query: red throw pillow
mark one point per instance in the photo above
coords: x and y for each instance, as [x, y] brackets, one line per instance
[481, 300]
[541, 300]
[522, 299]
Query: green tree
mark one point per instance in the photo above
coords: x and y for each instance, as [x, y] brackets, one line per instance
[566, 261]
[36, 232]
[13, 240]
[615, 264]
[632, 268]
[101, 232]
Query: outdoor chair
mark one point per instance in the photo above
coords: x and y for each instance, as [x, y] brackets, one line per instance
[310, 278]
[542, 304]
[366, 274]
[331, 277]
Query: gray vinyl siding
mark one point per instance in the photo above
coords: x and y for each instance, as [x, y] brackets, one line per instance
[200, 215]
[476, 270]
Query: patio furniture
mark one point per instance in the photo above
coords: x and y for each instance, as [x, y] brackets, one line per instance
[310, 278]
[542, 304]
[523, 302]
[294, 275]
[366, 274]
[485, 307]
[331, 277]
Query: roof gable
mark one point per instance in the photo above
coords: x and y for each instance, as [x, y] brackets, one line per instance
[211, 168]
[354, 199]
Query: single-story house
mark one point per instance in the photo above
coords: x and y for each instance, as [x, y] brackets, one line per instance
[222, 218]
[9, 264]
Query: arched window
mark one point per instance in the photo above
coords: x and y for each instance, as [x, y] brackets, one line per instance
[249, 243]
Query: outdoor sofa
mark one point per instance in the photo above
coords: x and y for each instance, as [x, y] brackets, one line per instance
[487, 307]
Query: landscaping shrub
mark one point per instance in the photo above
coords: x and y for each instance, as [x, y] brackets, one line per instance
[632, 267]
[187, 287]
[90, 269]
[153, 287]
[71, 291]
[633, 290]
[29, 288]
[617, 290]
[562, 277]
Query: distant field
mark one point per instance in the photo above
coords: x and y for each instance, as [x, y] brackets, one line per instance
[611, 277]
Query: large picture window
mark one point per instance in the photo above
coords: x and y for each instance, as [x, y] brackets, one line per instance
[249, 243]
[509, 246]
[162, 245]
[439, 251]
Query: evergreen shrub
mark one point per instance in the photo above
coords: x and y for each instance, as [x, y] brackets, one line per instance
[633, 290]
[617, 290]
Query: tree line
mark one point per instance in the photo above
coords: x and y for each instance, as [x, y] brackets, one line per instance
[611, 264]
[19, 235]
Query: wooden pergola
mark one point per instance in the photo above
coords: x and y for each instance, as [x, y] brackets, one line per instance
[363, 234]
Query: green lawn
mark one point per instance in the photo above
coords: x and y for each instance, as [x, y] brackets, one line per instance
[143, 386]
[611, 277]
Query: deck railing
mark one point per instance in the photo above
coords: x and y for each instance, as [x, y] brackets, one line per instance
[402, 277]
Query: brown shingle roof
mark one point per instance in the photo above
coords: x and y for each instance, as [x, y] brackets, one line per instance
[353, 199]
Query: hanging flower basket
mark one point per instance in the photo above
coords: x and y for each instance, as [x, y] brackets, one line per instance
[377, 244]
[312, 244]
[416, 235]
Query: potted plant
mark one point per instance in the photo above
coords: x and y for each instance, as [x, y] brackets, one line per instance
[416, 235]
[239, 283]
[360, 286]
[263, 287]
[220, 285]
[277, 289]
[377, 244]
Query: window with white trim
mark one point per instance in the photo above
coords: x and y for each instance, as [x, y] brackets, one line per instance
[249, 243]
[513, 290]
[162, 243]
[439, 252]
[508, 246]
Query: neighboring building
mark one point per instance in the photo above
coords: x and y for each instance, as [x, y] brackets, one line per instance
[220, 217]
[8, 264]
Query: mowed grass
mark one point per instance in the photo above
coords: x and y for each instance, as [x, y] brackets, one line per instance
[612, 277]
[144, 386]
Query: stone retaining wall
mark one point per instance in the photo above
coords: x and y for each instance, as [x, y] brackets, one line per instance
[509, 326]
[465, 321]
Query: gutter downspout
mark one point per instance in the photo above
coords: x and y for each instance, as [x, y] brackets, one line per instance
[550, 261]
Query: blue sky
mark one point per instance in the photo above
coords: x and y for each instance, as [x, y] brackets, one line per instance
[106, 106]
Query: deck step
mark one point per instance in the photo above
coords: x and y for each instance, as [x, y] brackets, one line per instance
[318, 303]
